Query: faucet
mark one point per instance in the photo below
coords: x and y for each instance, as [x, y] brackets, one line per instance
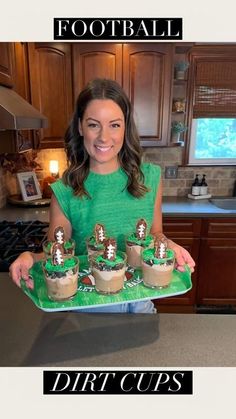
[234, 189]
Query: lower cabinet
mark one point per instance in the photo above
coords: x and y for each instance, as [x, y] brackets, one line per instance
[185, 232]
[217, 270]
[212, 244]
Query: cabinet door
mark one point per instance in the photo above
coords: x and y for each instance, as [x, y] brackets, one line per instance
[24, 140]
[6, 63]
[217, 267]
[217, 272]
[147, 71]
[51, 89]
[185, 232]
[95, 60]
[21, 76]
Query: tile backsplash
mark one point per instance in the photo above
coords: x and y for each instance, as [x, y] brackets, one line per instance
[220, 179]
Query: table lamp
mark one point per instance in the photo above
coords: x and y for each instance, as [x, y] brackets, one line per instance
[54, 175]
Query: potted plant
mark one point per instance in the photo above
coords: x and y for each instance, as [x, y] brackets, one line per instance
[180, 69]
[177, 128]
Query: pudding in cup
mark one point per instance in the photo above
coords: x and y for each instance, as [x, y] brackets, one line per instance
[136, 242]
[108, 269]
[158, 265]
[61, 275]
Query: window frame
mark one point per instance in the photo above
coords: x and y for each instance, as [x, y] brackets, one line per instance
[198, 53]
[193, 161]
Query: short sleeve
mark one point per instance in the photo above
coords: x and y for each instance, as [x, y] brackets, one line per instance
[64, 194]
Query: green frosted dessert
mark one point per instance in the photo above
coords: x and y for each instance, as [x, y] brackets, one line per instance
[68, 246]
[149, 257]
[158, 264]
[109, 268]
[146, 242]
[136, 242]
[95, 243]
[61, 274]
[68, 264]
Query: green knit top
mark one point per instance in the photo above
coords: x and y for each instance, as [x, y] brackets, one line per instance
[110, 204]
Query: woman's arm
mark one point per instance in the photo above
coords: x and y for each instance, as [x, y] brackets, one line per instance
[57, 218]
[20, 267]
[182, 255]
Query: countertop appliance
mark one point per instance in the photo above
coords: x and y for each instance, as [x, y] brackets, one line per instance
[19, 236]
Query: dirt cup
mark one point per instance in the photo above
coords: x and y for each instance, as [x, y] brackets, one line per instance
[61, 280]
[157, 272]
[109, 275]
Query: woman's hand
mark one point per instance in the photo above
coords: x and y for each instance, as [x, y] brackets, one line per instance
[182, 257]
[20, 269]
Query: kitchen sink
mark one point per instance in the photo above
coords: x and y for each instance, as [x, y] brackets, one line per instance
[224, 203]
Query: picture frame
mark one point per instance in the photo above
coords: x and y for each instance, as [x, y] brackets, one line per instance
[29, 186]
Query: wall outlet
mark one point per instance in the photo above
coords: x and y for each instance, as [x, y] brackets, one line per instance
[171, 172]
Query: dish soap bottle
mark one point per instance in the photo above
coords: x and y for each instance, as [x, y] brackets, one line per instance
[203, 186]
[196, 186]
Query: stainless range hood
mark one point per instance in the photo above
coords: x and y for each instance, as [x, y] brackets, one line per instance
[17, 114]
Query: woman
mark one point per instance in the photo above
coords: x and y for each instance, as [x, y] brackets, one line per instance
[105, 182]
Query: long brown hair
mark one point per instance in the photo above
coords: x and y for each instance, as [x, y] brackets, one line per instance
[130, 154]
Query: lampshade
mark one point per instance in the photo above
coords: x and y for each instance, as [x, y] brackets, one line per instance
[53, 167]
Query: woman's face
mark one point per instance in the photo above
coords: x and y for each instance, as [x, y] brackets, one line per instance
[103, 129]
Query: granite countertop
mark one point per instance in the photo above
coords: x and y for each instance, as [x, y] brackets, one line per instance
[185, 207]
[31, 337]
[171, 207]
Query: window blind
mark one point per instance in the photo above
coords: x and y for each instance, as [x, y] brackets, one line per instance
[215, 88]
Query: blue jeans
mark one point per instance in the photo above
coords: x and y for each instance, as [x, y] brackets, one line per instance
[138, 307]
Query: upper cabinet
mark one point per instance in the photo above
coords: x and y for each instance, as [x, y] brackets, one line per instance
[51, 75]
[144, 71]
[91, 61]
[147, 71]
[51, 89]
[6, 63]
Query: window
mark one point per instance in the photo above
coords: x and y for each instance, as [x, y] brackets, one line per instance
[212, 127]
[213, 141]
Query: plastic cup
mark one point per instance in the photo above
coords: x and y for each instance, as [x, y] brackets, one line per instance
[157, 273]
[109, 279]
[134, 250]
[61, 281]
[93, 248]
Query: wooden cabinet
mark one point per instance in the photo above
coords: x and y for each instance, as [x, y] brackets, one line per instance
[186, 232]
[217, 267]
[212, 244]
[51, 88]
[21, 76]
[95, 60]
[6, 63]
[147, 71]
[144, 71]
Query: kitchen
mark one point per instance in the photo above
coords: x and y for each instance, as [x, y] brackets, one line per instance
[49, 76]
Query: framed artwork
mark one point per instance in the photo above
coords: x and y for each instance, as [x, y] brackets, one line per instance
[29, 186]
